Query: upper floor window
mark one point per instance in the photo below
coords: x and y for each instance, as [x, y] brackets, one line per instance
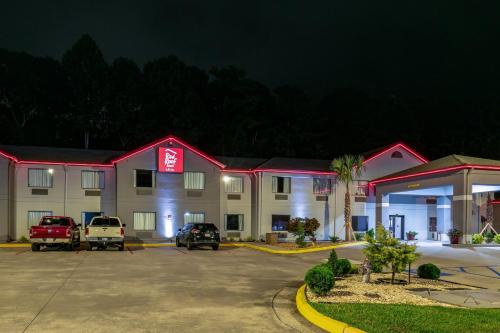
[92, 179]
[144, 178]
[40, 178]
[361, 188]
[281, 184]
[396, 154]
[233, 184]
[322, 186]
[194, 180]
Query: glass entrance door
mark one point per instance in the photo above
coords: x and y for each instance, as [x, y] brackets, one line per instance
[397, 226]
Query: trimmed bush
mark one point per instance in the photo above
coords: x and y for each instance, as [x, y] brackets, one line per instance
[354, 269]
[332, 260]
[359, 236]
[477, 239]
[320, 279]
[428, 271]
[334, 239]
[342, 267]
[496, 239]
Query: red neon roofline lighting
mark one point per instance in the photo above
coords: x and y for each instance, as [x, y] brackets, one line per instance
[431, 172]
[67, 163]
[495, 202]
[169, 138]
[396, 145]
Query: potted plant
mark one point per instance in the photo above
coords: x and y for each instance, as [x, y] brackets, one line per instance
[454, 235]
[410, 235]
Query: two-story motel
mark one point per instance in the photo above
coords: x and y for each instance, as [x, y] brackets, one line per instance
[158, 188]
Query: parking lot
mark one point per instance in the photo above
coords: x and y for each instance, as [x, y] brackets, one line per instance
[170, 290]
[144, 290]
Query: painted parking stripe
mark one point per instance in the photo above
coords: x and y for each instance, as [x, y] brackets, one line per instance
[130, 250]
[493, 270]
[462, 269]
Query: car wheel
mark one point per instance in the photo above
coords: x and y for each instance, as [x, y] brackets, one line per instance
[177, 243]
[69, 246]
[90, 246]
[122, 246]
[35, 247]
[215, 247]
[189, 245]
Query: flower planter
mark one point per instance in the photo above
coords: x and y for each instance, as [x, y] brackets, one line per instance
[410, 237]
[455, 240]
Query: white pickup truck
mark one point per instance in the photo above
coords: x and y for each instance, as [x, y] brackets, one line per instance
[104, 231]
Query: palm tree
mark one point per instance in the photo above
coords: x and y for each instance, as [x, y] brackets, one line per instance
[347, 167]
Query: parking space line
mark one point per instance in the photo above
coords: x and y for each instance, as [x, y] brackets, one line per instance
[493, 270]
[21, 252]
[129, 250]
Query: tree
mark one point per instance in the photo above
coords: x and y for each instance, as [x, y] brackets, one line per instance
[87, 73]
[389, 252]
[302, 227]
[347, 167]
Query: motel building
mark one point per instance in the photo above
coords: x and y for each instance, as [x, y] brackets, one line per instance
[159, 187]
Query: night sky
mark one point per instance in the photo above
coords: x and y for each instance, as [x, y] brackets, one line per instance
[408, 47]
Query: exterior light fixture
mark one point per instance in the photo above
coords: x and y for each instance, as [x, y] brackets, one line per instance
[51, 171]
[226, 179]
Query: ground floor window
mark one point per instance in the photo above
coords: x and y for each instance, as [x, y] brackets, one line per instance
[233, 222]
[190, 217]
[34, 216]
[360, 223]
[280, 222]
[144, 221]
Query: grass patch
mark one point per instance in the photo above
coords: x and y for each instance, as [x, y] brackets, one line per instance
[402, 318]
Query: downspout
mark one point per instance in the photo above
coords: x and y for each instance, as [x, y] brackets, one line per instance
[65, 188]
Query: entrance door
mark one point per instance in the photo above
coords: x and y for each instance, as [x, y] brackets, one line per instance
[397, 226]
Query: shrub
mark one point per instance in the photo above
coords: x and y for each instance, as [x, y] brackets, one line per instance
[377, 268]
[354, 269]
[370, 233]
[496, 239]
[477, 239]
[320, 279]
[334, 239]
[488, 236]
[428, 271]
[359, 236]
[342, 267]
[332, 261]
[249, 239]
[23, 239]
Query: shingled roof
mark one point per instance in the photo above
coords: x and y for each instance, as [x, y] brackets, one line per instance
[66, 155]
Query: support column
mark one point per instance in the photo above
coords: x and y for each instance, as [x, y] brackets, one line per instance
[462, 208]
[443, 216]
[382, 209]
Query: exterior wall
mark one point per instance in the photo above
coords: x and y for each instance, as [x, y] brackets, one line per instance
[4, 199]
[301, 203]
[65, 198]
[169, 200]
[416, 212]
[242, 206]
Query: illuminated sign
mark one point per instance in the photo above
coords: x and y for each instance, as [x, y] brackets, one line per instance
[413, 185]
[170, 160]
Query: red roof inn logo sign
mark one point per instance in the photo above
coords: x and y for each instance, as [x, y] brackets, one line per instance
[170, 159]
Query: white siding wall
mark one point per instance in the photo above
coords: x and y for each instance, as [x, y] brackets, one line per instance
[243, 206]
[4, 198]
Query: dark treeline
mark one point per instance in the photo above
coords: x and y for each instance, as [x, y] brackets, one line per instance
[82, 100]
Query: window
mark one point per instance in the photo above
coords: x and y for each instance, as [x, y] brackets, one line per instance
[361, 188]
[194, 180]
[144, 178]
[35, 216]
[280, 222]
[144, 221]
[40, 178]
[233, 222]
[360, 223]
[396, 154]
[92, 179]
[281, 184]
[322, 186]
[194, 217]
[233, 184]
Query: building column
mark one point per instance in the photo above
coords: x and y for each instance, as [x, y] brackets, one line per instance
[443, 216]
[462, 208]
[382, 209]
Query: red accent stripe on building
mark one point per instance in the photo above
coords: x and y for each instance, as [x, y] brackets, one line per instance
[395, 146]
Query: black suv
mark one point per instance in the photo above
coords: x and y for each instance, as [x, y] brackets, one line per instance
[198, 234]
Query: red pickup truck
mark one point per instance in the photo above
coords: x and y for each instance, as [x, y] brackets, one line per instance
[58, 231]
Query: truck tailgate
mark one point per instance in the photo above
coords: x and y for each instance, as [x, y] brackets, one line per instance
[48, 232]
[104, 232]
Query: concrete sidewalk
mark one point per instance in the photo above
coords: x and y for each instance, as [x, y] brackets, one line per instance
[482, 298]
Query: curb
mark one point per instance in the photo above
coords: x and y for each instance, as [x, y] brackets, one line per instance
[320, 320]
[250, 246]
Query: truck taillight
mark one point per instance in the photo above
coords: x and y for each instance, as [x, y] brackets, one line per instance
[68, 232]
[122, 231]
[86, 231]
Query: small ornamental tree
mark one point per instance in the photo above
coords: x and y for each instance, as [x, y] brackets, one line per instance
[389, 252]
[301, 227]
[310, 227]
